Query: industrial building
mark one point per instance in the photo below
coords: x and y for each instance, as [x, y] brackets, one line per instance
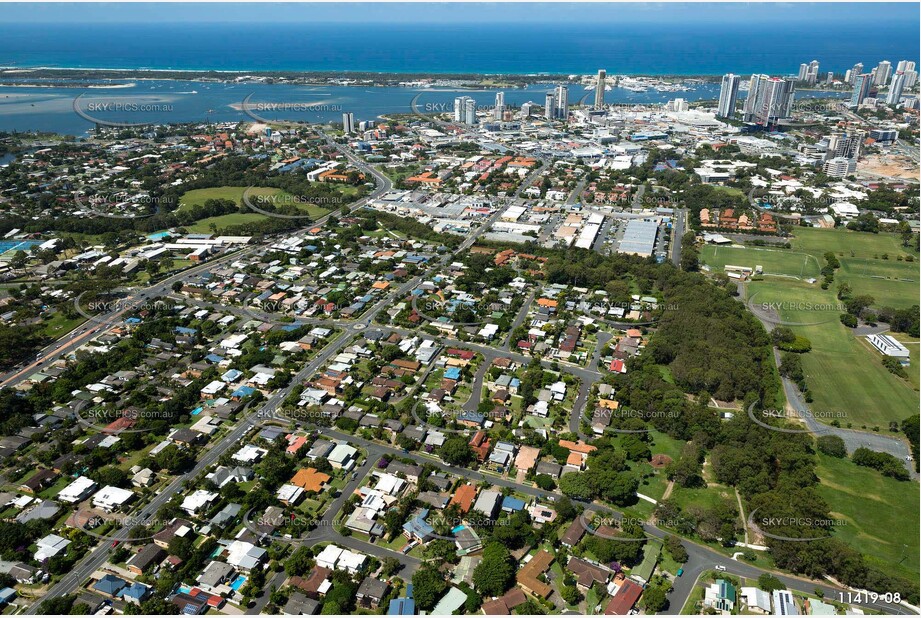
[639, 237]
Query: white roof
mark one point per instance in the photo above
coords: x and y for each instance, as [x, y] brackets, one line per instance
[77, 490]
[350, 560]
[390, 484]
[110, 496]
[250, 453]
[341, 453]
[214, 387]
[289, 493]
[244, 555]
[50, 546]
[197, 500]
[329, 555]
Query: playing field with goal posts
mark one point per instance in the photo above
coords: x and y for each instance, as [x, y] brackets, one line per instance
[787, 262]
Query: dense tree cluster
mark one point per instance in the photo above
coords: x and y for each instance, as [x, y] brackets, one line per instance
[887, 464]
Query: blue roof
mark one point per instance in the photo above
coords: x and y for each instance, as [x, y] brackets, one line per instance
[512, 504]
[243, 391]
[7, 594]
[133, 320]
[134, 591]
[468, 415]
[214, 358]
[453, 373]
[109, 584]
[402, 607]
[417, 526]
[182, 330]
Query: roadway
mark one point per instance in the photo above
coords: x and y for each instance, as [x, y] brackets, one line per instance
[95, 559]
[678, 231]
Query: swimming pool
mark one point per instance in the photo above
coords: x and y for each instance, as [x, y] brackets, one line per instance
[197, 411]
[457, 529]
[237, 583]
[16, 245]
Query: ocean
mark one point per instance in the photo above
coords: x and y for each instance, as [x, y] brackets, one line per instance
[637, 48]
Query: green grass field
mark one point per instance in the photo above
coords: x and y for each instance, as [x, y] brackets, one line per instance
[197, 197]
[889, 281]
[774, 261]
[881, 514]
[203, 226]
[845, 375]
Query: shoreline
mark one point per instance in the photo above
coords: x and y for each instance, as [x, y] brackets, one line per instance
[345, 74]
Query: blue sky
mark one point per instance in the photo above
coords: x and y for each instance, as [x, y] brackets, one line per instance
[654, 12]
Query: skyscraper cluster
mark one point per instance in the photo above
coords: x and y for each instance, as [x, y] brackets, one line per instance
[556, 104]
[465, 110]
[809, 73]
[841, 152]
[769, 100]
[911, 74]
